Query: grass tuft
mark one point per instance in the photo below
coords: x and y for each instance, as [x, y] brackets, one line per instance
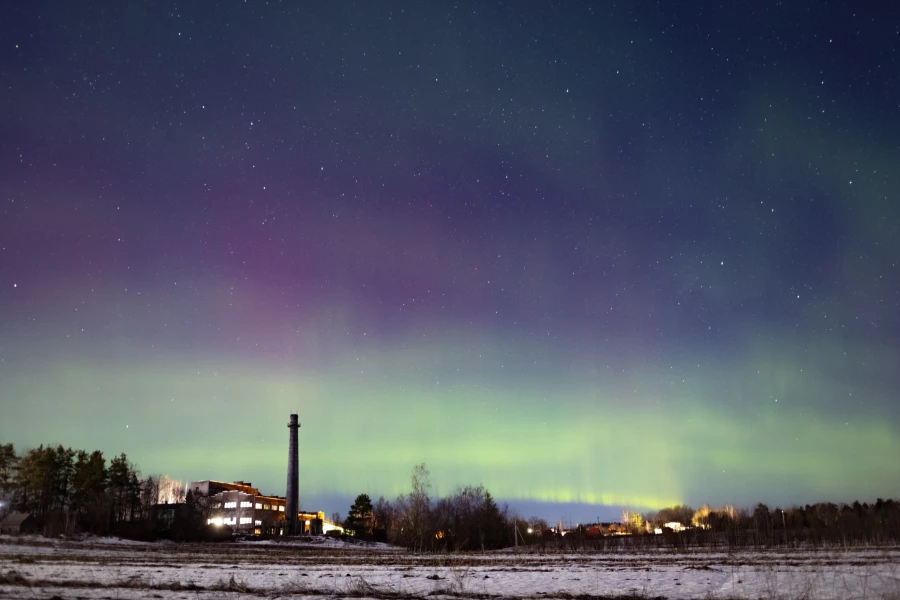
[12, 577]
[232, 585]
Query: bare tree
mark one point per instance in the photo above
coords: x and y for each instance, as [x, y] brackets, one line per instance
[171, 491]
[416, 509]
[384, 515]
[149, 495]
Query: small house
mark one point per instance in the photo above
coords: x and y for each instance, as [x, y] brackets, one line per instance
[18, 522]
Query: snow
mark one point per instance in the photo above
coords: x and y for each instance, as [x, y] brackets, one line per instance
[325, 567]
[323, 542]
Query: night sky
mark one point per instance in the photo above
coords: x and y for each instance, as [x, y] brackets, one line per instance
[584, 254]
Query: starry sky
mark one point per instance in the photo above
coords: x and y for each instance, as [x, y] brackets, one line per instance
[590, 255]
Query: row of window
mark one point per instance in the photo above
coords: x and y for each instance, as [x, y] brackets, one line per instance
[232, 521]
[246, 504]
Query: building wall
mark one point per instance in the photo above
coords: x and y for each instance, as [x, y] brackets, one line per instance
[247, 513]
[241, 506]
[312, 523]
[16, 523]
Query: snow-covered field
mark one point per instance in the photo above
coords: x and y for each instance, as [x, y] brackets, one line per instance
[38, 568]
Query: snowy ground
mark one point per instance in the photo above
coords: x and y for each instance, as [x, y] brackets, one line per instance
[108, 568]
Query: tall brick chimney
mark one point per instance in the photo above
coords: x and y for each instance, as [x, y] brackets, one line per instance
[292, 497]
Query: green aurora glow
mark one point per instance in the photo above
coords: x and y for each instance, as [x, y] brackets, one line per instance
[739, 435]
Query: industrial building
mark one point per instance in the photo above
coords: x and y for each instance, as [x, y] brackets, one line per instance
[209, 487]
[242, 507]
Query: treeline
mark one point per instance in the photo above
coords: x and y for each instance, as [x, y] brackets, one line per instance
[729, 527]
[69, 490]
[470, 519]
[824, 523]
[75, 490]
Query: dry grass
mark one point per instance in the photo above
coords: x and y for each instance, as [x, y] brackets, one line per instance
[231, 585]
[12, 577]
[155, 569]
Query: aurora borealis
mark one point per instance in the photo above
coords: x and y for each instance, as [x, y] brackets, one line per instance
[588, 255]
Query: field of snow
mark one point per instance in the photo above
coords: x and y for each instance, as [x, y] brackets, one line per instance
[32, 567]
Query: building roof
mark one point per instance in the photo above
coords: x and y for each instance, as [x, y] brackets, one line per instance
[272, 497]
[237, 486]
[14, 519]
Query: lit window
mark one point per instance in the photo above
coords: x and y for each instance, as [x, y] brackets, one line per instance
[231, 505]
[229, 520]
[267, 507]
[258, 522]
[258, 506]
[280, 509]
[246, 504]
[246, 520]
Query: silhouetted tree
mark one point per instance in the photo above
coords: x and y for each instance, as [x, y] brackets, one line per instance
[89, 500]
[118, 488]
[9, 462]
[149, 495]
[762, 524]
[493, 532]
[361, 518]
[43, 478]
